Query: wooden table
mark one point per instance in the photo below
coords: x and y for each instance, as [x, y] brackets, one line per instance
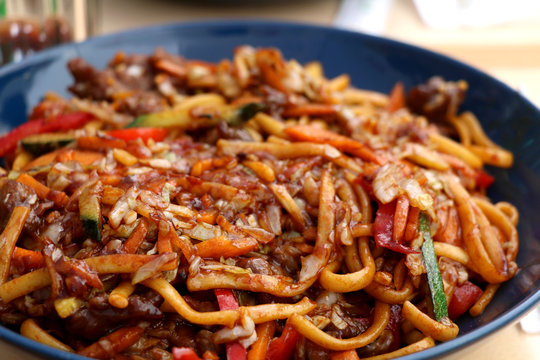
[510, 52]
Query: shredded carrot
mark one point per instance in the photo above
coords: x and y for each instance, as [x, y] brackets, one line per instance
[208, 216]
[321, 136]
[345, 355]
[400, 218]
[265, 333]
[137, 237]
[296, 111]
[164, 239]
[164, 243]
[117, 341]
[43, 160]
[222, 246]
[182, 243]
[412, 224]
[449, 232]
[82, 157]
[396, 100]
[43, 192]
[28, 259]
[100, 144]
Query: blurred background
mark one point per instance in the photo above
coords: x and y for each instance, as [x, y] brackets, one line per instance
[499, 37]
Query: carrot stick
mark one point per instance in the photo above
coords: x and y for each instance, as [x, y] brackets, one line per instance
[100, 144]
[164, 238]
[222, 246]
[208, 216]
[412, 224]
[400, 218]
[201, 166]
[41, 161]
[265, 333]
[9, 238]
[396, 100]
[321, 136]
[28, 259]
[182, 243]
[345, 355]
[64, 155]
[82, 157]
[310, 110]
[117, 341]
[43, 192]
[137, 237]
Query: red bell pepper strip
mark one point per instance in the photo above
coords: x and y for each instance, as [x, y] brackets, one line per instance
[384, 227]
[184, 353]
[227, 301]
[463, 298]
[8, 142]
[283, 347]
[483, 179]
[157, 134]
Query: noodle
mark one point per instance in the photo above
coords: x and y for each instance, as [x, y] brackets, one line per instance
[252, 203]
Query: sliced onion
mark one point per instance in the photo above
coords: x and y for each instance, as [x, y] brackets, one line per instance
[152, 267]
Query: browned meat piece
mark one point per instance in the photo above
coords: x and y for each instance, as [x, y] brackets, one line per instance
[140, 103]
[257, 265]
[135, 71]
[90, 82]
[99, 318]
[13, 194]
[129, 81]
[437, 99]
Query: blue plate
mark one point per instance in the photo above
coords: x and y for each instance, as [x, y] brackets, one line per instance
[373, 63]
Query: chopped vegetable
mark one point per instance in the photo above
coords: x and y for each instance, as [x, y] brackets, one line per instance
[396, 100]
[116, 341]
[221, 246]
[143, 133]
[321, 136]
[433, 272]
[246, 112]
[465, 295]
[483, 179]
[173, 118]
[90, 212]
[283, 347]
[184, 354]
[384, 227]
[99, 144]
[227, 301]
[8, 142]
[58, 197]
[265, 332]
[43, 143]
